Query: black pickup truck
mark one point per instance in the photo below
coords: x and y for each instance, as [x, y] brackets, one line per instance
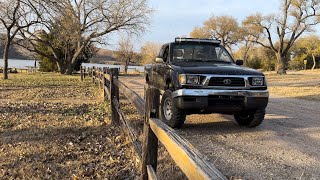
[199, 76]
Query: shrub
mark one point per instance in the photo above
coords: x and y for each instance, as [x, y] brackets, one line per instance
[46, 65]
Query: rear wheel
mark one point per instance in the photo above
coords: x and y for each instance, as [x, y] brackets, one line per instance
[171, 115]
[250, 119]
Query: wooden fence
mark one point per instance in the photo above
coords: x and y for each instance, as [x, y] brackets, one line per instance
[194, 164]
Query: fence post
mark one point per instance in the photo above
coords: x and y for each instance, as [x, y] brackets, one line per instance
[84, 72]
[102, 77]
[104, 70]
[114, 94]
[93, 74]
[105, 97]
[99, 77]
[104, 85]
[81, 73]
[150, 140]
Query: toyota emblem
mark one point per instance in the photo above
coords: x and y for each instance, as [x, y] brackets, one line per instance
[227, 81]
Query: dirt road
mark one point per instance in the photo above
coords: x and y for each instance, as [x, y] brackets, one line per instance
[285, 146]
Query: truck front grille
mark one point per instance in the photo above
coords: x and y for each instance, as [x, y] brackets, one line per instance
[227, 81]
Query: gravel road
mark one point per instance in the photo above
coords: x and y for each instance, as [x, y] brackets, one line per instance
[285, 146]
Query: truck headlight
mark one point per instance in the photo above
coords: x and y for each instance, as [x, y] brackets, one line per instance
[257, 81]
[190, 79]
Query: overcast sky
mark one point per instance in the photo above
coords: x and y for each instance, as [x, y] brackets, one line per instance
[174, 18]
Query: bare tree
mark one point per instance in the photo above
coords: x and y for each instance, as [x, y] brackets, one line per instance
[83, 22]
[53, 41]
[294, 18]
[95, 19]
[246, 40]
[14, 16]
[224, 28]
[149, 52]
[125, 52]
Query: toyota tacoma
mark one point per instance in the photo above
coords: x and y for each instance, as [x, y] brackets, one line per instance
[199, 76]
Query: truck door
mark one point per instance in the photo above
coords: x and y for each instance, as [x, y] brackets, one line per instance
[160, 67]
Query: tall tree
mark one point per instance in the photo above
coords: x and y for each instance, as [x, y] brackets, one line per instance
[14, 16]
[125, 52]
[224, 28]
[97, 18]
[200, 32]
[309, 46]
[149, 52]
[56, 44]
[246, 40]
[295, 18]
[91, 21]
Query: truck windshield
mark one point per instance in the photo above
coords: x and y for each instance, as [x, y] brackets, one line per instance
[200, 52]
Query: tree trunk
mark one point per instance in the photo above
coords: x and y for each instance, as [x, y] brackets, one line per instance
[61, 68]
[126, 67]
[245, 58]
[5, 59]
[281, 64]
[314, 61]
[69, 71]
[74, 59]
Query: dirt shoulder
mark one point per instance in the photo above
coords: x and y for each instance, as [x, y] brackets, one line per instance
[55, 127]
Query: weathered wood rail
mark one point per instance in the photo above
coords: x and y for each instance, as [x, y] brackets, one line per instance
[194, 164]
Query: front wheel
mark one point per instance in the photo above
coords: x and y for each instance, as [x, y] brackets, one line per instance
[170, 114]
[250, 119]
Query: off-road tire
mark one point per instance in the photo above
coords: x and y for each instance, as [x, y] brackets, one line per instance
[178, 116]
[250, 119]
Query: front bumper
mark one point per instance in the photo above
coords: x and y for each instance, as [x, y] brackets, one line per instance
[220, 101]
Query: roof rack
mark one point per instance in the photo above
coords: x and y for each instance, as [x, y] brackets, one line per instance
[179, 40]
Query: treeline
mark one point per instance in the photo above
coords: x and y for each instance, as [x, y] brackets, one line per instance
[271, 42]
[63, 34]
[305, 48]
[126, 54]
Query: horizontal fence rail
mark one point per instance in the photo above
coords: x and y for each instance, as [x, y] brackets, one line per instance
[194, 164]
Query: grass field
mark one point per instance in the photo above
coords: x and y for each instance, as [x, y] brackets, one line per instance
[55, 127]
[300, 84]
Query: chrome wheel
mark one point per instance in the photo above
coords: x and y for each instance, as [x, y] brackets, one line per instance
[167, 109]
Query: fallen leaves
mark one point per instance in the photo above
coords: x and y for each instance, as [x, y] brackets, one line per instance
[53, 127]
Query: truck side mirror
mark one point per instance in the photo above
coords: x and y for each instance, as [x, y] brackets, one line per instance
[159, 60]
[239, 62]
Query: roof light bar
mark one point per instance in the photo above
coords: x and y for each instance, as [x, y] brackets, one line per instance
[179, 40]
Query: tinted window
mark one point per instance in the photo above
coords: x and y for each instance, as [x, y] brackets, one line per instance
[200, 52]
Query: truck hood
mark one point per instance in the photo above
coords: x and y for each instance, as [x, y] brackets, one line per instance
[221, 69]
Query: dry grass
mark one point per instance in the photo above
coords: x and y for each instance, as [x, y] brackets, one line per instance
[55, 127]
[299, 84]
[167, 168]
